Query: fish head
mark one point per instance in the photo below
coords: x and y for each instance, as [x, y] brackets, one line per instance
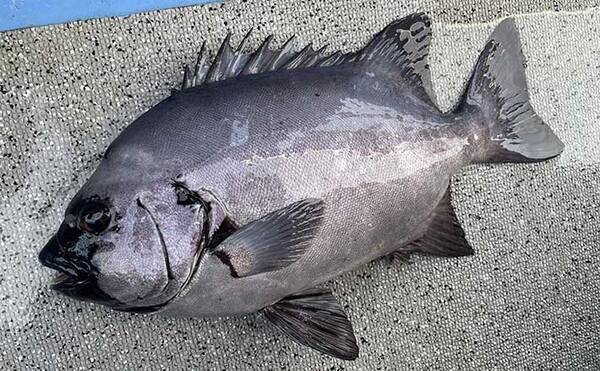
[125, 242]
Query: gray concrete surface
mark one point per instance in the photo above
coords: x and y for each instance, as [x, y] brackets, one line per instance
[527, 300]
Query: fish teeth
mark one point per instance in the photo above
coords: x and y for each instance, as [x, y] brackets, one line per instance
[58, 278]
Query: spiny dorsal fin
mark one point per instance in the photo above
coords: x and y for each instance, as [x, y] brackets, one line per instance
[230, 63]
[401, 50]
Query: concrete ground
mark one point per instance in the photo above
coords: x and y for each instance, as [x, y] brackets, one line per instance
[527, 300]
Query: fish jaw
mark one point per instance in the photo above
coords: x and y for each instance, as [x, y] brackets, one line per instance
[74, 278]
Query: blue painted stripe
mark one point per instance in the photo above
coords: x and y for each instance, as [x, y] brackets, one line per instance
[27, 13]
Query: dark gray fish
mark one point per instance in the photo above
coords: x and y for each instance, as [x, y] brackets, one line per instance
[271, 173]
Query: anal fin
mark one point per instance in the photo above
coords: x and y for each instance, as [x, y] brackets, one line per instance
[314, 318]
[444, 236]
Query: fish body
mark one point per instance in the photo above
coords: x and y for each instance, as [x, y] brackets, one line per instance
[271, 173]
[379, 160]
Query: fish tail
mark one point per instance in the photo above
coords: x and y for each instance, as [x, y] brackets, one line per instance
[498, 102]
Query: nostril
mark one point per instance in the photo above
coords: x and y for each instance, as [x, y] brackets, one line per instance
[67, 235]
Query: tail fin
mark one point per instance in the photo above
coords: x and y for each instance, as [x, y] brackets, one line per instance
[497, 95]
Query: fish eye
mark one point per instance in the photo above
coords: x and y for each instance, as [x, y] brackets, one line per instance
[94, 217]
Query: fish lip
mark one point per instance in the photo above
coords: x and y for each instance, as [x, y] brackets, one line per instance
[72, 275]
[75, 272]
[69, 283]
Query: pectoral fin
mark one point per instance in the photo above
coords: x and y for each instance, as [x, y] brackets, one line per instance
[444, 236]
[314, 318]
[272, 242]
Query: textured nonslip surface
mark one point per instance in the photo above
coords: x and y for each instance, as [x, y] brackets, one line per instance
[527, 300]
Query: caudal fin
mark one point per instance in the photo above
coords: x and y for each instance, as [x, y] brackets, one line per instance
[497, 95]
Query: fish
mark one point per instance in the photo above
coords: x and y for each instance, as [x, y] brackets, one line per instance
[271, 172]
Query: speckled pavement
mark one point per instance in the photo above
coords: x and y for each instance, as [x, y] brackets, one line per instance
[529, 298]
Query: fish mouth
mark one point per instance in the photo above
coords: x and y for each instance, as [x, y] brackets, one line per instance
[75, 277]
[81, 288]
[58, 279]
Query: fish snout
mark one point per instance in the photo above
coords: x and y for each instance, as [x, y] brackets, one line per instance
[48, 252]
[72, 270]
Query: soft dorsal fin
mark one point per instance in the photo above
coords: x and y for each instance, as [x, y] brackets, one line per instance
[401, 50]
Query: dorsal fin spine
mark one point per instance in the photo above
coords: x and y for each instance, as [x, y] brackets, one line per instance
[244, 41]
[296, 61]
[280, 58]
[331, 59]
[187, 83]
[310, 61]
[252, 67]
[199, 73]
[239, 59]
[216, 68]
